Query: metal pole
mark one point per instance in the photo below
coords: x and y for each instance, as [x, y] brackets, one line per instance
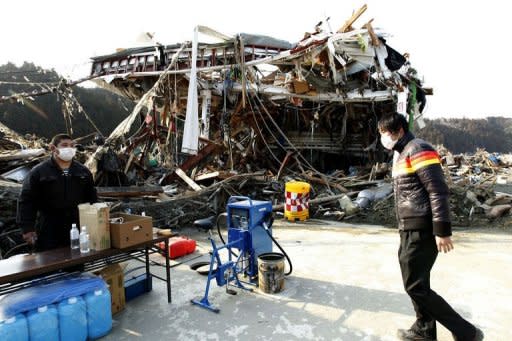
[412, 109]
[148, 279]
[167, 270]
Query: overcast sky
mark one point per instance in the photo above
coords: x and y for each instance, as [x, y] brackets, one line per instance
[457, 46]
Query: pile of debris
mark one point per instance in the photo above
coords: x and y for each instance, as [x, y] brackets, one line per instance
[259, 99]
[364, 195]
[248, 114]
[481, 186]
[305, 111]
[17, 153]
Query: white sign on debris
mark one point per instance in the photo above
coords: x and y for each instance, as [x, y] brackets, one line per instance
[401, 106]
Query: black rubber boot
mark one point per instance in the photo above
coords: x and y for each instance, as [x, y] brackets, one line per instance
[412, 335]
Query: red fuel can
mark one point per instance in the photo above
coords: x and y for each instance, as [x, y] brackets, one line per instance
[179, 247]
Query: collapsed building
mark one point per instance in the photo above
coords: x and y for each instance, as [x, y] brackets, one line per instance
[255, 102]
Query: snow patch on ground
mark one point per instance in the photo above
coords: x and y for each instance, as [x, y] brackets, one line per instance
[304, 331]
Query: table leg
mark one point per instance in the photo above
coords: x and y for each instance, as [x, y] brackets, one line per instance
[167, 270]
[148, 279]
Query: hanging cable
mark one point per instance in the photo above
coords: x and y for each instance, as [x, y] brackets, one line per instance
[293, 146]
[261, 133]
[251, 104]
[22, 71]
[254, 106]
[21, 95]
[29, 83]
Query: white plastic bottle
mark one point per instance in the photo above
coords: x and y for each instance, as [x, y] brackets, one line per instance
[84, 240]
[74, 235]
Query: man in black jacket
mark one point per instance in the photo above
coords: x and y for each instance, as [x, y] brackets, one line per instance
[48, 203]
[423, 213]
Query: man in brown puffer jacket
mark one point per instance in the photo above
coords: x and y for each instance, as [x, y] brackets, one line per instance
[423, 213]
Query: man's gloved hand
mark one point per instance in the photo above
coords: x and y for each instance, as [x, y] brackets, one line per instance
[30, 237]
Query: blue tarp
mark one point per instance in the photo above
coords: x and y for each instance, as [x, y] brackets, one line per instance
[49, 293]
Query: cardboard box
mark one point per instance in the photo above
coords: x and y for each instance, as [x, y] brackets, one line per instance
[134, 229]
[95, 217]
[114, 276]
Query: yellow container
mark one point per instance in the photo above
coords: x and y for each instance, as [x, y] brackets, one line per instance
[296, 206]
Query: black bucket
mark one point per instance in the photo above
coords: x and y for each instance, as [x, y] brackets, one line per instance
[271, 272]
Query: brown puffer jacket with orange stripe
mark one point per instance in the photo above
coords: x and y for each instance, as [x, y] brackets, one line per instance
[421, 193]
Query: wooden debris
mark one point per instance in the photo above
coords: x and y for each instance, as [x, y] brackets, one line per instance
[129, 191]
[207, 176]
[188, 180]
[375, 40]
[324, 182]
[498, 211]
[347, 26]
[193, 160]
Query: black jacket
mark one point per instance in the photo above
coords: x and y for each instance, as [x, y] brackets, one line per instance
[421, 193]
[49, 200]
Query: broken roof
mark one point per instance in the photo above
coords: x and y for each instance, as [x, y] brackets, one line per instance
[249, 39]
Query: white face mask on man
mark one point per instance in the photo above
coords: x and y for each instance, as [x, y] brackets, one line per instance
[66, 154]
[387, 141]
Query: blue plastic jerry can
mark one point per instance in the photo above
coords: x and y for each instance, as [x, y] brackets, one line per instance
[43, 323]
[99, 313]
[72, 319]
[14, 329]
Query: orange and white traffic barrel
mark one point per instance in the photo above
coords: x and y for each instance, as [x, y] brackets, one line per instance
[297, 201]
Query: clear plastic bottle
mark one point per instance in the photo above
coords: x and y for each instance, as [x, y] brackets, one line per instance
[74, 235]
[84, 240]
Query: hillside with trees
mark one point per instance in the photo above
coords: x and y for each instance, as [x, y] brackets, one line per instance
[43, 116]
[494, 134]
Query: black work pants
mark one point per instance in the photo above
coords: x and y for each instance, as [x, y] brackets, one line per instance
[417, 254]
